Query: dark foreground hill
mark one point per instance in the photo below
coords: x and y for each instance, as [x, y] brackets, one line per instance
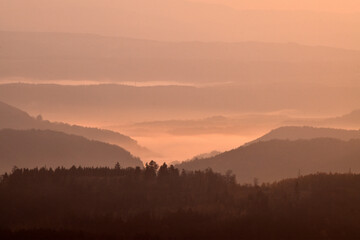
[11, 117]
[296, 133]
[278, 159]
[37, 148]
[103, 203]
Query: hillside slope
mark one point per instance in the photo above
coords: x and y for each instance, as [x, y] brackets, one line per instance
[11, 117]
[278, 159]
[306, 132]
[38, 148]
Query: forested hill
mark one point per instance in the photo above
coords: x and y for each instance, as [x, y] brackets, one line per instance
[12, 117]
[277, 159]
[37, 148]
[152, 203]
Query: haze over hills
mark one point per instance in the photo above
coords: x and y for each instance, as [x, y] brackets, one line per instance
[39, 148]
[116, 103]
[245, 125]
[61, 56]
[278, 159]
[295, 133]
[174, 120]
[206, 155]
[351, 119]
[179, 20]
[348, 6]
[11, 117]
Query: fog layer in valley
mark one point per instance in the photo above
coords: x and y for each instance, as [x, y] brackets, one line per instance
[201, 122]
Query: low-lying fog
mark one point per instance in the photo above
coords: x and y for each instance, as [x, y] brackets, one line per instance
[177, 121]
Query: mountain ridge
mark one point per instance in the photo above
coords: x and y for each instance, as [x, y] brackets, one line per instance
[306, 132]
[12, 117]
[39, 148]
[164, 20]
[276, 159]
[96, 57]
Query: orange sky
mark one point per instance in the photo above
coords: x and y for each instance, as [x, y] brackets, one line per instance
[313, 5]
[188, 20]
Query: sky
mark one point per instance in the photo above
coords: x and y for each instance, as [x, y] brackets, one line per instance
[344, 6]
[331, 23]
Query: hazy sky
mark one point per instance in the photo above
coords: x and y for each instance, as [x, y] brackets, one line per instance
[180, 20]
[312, 5]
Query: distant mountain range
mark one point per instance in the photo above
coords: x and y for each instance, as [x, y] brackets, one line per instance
[277, 159]
[117, 102]
[351, 119]
[39, 148]
[70, 56]
[210, 125]
[181, 20]
[11, 117]
[295, 133]
[249, 123]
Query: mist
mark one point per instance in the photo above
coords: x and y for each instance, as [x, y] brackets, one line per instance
[321, 23]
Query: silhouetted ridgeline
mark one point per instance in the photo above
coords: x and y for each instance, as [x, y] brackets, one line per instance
[32, 148]
[351, 120]
[117, 100]
[35, 55]
[278, 159]
[306, 132]
[152, 203]
[12, 117]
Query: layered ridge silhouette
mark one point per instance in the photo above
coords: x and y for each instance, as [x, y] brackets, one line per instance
[278, 159]
[11, 117]
[39, 148]
[59, 56]
[119, 102]
[179, 20]
[295, 132]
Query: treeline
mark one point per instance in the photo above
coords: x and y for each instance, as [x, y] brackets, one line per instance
[165, 203]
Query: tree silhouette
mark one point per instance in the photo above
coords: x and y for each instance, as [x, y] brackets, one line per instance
[124, 203]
